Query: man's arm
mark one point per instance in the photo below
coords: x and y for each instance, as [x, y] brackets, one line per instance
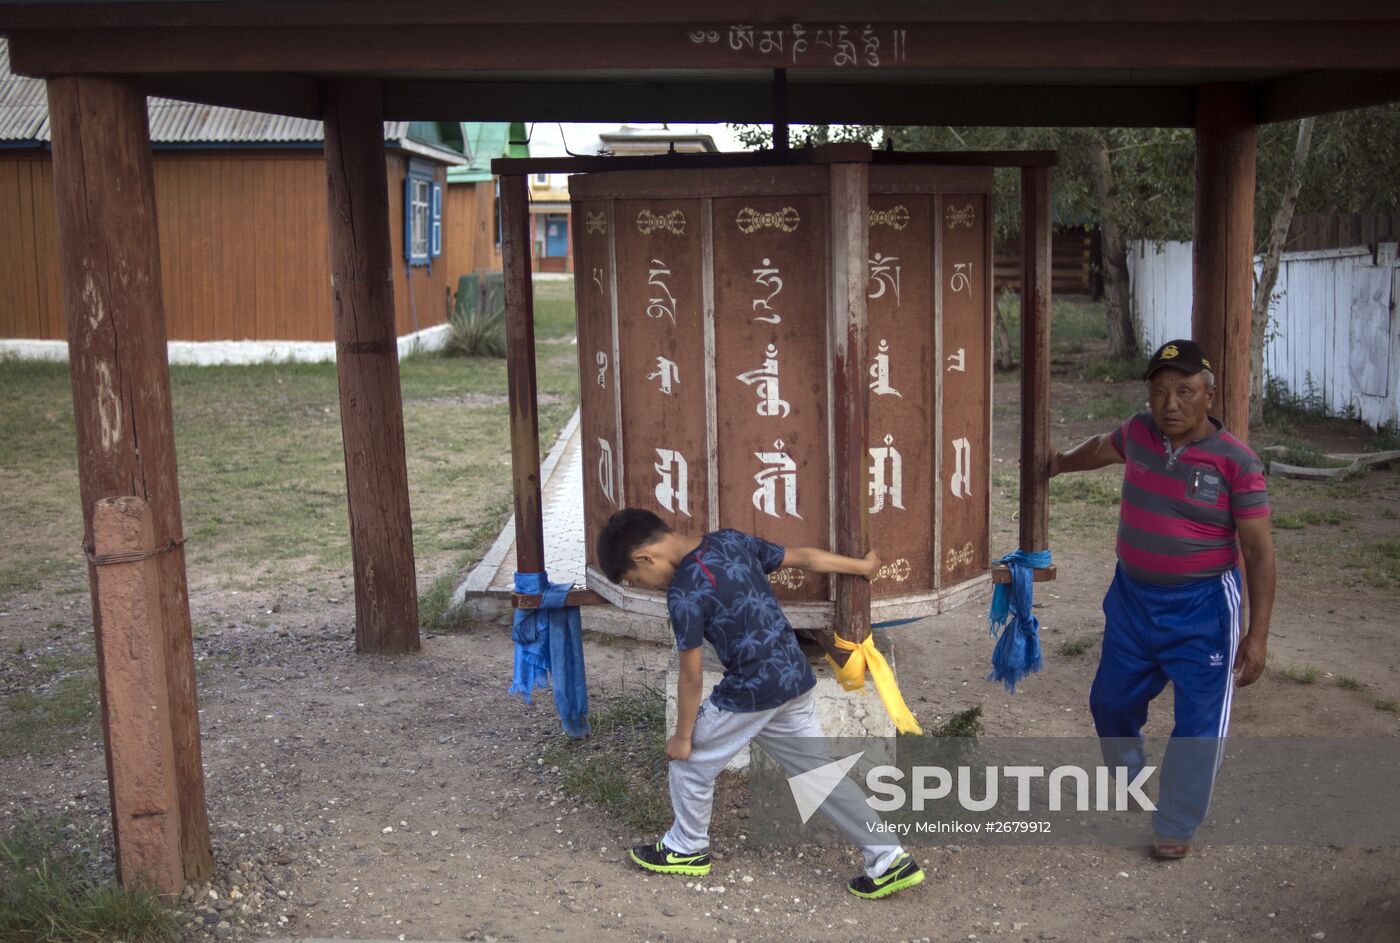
[1097, 451]
[688, 691]
[1257, 543]
[824, 561]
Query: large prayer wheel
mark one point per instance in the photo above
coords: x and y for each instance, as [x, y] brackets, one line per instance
[706, 349]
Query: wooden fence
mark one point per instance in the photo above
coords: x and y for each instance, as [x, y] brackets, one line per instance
[1334, 334]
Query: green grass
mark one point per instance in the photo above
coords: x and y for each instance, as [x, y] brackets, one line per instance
[1301, 674]
[966, 723]
[554, 308]
[262, 477]
[1387, 704]
[1116, 370]
[1078, 646]
[50, 893]
[58, 704]
[1347, 683]
[1096, 491]
[621, 767]
[1111, 405]
[1385, 559]
[1300, 519]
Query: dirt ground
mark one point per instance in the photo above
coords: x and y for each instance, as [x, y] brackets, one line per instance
[394, 798]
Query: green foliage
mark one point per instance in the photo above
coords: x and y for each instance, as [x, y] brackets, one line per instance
[621, 767]
[49, 892]
[963, 724]
[1078, 646]
[1301, 674]
[476, 329]
[1387, 704]
[1300, 519]
[1093, 490]
[58, 704]
[1348, 683]
[1386, 439]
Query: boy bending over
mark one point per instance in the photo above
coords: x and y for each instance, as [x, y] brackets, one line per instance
[717, 590]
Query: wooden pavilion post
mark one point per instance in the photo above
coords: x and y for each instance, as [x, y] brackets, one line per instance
[850, 221]
[520, 374]
[109, 262]
[367, 364]
[1036, 223]
[1222, 247]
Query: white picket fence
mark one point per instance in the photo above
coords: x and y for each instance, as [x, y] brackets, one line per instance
[1333, 328]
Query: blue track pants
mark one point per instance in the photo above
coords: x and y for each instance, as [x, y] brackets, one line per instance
[1186, 635]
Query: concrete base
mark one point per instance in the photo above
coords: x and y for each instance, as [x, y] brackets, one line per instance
[842, 713]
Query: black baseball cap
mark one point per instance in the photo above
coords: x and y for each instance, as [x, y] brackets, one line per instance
[1182, 355]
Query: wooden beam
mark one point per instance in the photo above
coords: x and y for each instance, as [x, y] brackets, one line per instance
[1037, 224]
[570, 45]
[367, 364]
[1222, 251]
[155, 13]
[109, 263]
[1001, 573]
[520, 374]
[1319, 93]
[850, 400]
[136, 726]
[275, 94]
[505, 166]
[576, 597]
[887, 98]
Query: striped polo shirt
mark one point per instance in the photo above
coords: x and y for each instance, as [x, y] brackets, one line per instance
[1177, 516]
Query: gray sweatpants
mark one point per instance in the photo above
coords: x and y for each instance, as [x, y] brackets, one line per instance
[789, 734]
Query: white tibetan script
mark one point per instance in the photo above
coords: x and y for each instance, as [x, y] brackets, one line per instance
[662, 304]
[765, 383]
[886, 476]
[667, 372]
[777, 466]
[770, 281]
[884, 273]
[961, 482]
[605, 470]
[880, 370]
[673, 490]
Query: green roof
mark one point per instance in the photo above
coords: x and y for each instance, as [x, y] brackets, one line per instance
[485, 141]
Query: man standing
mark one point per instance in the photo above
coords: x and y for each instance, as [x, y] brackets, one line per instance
[1190, 490]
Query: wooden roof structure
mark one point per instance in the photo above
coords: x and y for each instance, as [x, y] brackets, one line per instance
[963, 62]
[1219, 66]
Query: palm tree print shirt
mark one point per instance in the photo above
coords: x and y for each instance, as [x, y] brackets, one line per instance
[721, 594]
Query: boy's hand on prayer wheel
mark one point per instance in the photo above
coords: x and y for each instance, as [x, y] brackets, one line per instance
[872, 565]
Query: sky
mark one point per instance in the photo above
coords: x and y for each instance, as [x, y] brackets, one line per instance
[547, 141]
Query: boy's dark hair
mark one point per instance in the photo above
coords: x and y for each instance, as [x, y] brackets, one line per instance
[622, 535]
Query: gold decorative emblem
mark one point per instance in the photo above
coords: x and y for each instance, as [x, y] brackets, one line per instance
[672, 222]
[788, 578]
[960, 217]
[958, 557]
[1206, 363]
[596, 222]
[751, 220]
[1170, 352]
[896, 217]
[898, 571]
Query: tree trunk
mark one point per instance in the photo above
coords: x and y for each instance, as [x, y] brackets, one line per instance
[1268, 275]
[1122, 333]
[1005, 357]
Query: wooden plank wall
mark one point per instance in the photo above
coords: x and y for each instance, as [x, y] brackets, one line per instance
[1313, 231]
[1073, 256]
[469, 230]
[1334, 331]
[243, 248]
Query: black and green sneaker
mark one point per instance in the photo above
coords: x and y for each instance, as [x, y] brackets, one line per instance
[662, 860]
[903, 873]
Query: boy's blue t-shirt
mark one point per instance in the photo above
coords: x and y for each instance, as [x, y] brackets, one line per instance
[721, 594]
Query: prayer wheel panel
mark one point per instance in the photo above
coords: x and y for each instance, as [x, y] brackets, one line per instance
[706, 355]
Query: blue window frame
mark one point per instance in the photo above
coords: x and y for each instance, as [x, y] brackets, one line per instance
[422, 215]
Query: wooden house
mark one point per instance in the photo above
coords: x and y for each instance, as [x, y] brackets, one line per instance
[241, 205]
